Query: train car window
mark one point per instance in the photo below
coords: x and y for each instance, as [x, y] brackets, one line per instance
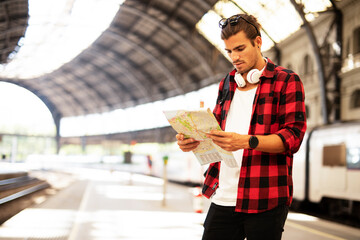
[353, 158]
[334, 155]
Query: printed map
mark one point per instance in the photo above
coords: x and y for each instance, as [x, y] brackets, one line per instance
[195, 124]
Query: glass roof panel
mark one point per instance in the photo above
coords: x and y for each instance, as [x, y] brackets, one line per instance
[278, 18]
[58, 31]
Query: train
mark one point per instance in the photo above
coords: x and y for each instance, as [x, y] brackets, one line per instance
[326, 169]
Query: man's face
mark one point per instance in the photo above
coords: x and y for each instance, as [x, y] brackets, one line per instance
[242, 53]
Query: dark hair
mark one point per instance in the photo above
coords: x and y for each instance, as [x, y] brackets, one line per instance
[243, 22]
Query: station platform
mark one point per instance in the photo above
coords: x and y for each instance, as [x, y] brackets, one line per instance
[92, 204]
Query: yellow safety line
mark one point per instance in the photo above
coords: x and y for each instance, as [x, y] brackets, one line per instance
[301, 227]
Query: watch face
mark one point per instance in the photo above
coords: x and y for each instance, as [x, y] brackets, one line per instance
[253, 142]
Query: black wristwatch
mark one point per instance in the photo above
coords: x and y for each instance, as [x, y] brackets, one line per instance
[253, 142]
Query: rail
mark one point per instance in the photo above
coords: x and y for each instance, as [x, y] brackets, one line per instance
[17, 187]
[23, 193]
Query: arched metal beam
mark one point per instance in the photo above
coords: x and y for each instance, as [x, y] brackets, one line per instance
[155, 61]
[67, 92]
[50, 105]
[129, 75]
[318, 59]
[173, 34]
[55, 113]
[161, 51]
[89, 85]
[68, 69]
[111, 77]
[85, 82]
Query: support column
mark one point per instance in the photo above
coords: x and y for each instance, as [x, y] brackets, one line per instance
[337, 65]
[57, 136]
[318, 59]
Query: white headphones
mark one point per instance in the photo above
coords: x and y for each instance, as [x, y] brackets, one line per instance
[252, 77]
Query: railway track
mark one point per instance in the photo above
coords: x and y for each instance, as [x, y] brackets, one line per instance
[17, 192]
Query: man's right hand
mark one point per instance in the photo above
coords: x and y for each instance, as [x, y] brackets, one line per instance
[186, 144]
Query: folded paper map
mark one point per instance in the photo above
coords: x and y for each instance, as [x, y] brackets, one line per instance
[195, 124]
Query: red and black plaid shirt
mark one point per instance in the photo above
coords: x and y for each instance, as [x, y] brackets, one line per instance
[265, 178]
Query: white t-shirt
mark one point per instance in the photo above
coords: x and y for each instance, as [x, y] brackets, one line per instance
[238, 120]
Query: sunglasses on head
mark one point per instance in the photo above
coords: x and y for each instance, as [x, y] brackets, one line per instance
[234, 20]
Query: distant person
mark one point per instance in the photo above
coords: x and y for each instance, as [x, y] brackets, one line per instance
[260, 107]
[149, 163]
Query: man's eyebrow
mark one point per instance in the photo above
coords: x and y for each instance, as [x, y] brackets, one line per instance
[237, 47]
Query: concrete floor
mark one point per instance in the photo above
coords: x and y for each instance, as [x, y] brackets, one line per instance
[104, 205]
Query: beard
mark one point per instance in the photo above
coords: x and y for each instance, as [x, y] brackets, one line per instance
[242, 70]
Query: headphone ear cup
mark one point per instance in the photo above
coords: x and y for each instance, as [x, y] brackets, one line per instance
[239, 80]
[253, 76]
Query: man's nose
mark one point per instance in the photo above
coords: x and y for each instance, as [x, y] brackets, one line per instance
[234, 57]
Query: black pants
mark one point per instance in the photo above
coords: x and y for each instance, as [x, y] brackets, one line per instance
[223, 223]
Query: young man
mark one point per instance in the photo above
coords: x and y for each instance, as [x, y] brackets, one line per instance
[261, 109]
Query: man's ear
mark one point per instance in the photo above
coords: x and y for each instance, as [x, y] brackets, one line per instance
[258, 41]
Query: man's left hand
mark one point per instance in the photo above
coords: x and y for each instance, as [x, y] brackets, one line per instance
[229, 141]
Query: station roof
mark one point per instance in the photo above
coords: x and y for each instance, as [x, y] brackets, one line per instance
[152, 50]
[13, 23]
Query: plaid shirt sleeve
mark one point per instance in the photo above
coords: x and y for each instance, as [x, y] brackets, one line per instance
[292, 113]
[266, 179]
